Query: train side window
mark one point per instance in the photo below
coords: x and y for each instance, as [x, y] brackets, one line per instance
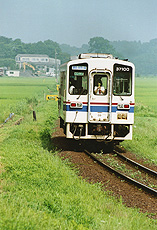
[100, 84]
[78, 79]
[62, 82]
[122, 80]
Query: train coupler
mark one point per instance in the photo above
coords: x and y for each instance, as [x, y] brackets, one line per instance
[77, 130]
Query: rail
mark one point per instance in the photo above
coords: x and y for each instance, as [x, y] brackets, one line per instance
[148, 170]
[125, 177]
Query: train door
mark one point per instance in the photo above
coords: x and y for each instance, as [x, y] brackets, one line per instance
[99, 100]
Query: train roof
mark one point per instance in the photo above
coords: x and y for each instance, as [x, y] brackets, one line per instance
[90, 57]
[94, 55]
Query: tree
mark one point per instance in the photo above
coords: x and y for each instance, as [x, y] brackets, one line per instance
[5, 40]
[8, 62]
[64, 57]
[100, 45]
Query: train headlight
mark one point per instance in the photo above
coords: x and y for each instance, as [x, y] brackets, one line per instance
[73, 105]
[123, 106]
[126, 106]
[76, 105]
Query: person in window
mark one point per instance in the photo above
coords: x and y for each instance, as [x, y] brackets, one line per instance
[99, 89]
[72, 86]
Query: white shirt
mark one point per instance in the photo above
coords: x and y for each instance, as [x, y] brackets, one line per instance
[99, 91]
[71, 89]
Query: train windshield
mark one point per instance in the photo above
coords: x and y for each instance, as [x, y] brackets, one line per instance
[100, 84]
[78, 79]
[122, 80]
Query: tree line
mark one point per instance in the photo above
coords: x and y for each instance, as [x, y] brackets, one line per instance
[9, 48]
[143, 55]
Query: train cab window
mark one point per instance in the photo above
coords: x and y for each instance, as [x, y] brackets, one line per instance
[100, 84]
[122, 80]
[78, 79]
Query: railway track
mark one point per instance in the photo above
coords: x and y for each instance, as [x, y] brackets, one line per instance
[124, 176]
[93, 173]
[142, 167]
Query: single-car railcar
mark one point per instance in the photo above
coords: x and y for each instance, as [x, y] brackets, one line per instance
[96, 98]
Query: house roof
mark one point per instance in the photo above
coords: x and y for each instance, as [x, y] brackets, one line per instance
[33, 55]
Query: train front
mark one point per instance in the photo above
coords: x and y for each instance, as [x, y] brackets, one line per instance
[99, 99]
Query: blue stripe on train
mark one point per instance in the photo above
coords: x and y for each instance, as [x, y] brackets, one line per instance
[96, 109]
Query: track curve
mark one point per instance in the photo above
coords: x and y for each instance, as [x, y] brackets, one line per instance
[125, 177]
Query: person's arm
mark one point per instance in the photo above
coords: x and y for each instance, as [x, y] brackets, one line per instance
[96, 89]
[102, 89]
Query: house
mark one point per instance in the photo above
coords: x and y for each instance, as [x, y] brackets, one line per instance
[38, 60]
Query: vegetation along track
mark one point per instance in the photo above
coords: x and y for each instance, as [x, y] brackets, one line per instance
[110, 162]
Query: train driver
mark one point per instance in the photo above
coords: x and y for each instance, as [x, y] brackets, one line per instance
[99, 89]
[72, 86]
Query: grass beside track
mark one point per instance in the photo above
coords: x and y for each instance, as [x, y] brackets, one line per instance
[144, 143]
[17, 93]
[39, 191]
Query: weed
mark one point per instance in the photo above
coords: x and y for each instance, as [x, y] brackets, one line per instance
[45, 137]
[32, 101]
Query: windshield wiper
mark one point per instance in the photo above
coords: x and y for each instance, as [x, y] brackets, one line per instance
[80, 94]
[121, 98]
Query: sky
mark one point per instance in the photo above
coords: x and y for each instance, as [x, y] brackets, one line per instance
[74, 22]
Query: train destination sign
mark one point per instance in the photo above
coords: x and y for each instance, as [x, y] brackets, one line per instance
[79, 67]
[78, 73]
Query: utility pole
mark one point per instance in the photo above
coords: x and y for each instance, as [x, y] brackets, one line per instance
[56, 64]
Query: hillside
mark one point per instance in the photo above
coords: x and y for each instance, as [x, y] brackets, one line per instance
[143, 55]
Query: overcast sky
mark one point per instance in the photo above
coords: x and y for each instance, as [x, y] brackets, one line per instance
[74, 22]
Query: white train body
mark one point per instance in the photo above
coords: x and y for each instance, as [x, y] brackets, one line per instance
[96, 98]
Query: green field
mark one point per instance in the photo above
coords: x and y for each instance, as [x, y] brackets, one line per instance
[146, 92]
[144, 143]
[16, 92]
[40, 191]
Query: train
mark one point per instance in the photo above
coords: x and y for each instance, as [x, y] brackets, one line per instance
[96, 98]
